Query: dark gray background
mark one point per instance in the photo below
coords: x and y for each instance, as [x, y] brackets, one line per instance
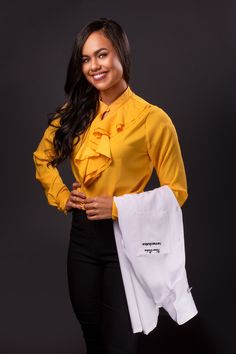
[183, 61]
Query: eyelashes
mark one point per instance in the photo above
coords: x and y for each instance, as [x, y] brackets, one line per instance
[100, 56]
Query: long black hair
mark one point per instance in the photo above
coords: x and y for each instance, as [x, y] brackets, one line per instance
[82, 97]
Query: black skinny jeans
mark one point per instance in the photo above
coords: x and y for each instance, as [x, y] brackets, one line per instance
[96, 287]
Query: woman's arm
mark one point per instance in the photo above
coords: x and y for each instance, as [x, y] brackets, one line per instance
[165, 154]
[55, 190]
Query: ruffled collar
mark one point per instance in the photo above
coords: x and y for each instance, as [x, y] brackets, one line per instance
[94, 153]
[103, 107]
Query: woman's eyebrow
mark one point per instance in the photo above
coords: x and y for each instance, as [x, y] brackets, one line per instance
[96, 52]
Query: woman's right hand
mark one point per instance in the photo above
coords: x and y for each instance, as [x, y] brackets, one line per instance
[76, 198]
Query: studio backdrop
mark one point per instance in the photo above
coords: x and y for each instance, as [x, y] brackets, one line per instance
[183, 60]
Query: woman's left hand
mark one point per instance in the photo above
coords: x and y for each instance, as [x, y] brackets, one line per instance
[98, 208]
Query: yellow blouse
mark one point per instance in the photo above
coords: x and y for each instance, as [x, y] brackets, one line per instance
[117, 153]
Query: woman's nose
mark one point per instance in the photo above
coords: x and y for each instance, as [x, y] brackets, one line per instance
[94, 64]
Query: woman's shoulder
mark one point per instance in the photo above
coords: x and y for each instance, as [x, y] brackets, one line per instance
[156, 114]
[144, 102]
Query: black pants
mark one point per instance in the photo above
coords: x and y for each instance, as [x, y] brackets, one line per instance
[96, 287]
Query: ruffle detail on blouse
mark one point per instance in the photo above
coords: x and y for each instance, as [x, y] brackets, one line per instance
[94, 154]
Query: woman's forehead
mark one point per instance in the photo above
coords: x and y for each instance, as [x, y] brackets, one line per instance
[95, 42]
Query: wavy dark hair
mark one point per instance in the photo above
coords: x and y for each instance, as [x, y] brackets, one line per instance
[81, 97]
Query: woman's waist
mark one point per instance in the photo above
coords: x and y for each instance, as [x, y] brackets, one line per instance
[109, 192]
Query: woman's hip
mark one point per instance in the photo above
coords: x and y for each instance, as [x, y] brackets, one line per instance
[93, 239]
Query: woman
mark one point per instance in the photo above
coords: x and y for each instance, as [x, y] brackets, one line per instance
[114, 138]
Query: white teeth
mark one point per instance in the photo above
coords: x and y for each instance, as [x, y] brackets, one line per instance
[99, 76]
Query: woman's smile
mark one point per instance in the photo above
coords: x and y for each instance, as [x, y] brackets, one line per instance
[99, 76]
[101, 65]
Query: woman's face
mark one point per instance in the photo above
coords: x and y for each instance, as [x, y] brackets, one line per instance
[100, 63]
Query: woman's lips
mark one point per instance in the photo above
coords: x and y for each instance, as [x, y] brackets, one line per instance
[98, 77]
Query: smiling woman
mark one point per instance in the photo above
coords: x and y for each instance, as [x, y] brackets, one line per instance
[102, 68]
[111, 155]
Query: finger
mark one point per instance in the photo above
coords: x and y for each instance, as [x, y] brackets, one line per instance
[90, 203]
[76, 185]
[91, 206]
[75, 193]
[91, 214]
[76, 200]
[93, 217]
[96, 217]
[78, 206]
[71, 205]
[90, 200]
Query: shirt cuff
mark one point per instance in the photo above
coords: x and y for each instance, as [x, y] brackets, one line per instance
[114, 214]
[63, 199]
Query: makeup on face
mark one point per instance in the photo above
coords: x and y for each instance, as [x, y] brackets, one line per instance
[100, 63]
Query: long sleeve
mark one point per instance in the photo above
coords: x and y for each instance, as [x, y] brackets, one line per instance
[55, 190]
[165, 154]
[114, 210]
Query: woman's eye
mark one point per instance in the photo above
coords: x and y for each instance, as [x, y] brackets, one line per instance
[102, 55]
[84, 60]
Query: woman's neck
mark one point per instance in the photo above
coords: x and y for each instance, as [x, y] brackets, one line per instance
[110, 95]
